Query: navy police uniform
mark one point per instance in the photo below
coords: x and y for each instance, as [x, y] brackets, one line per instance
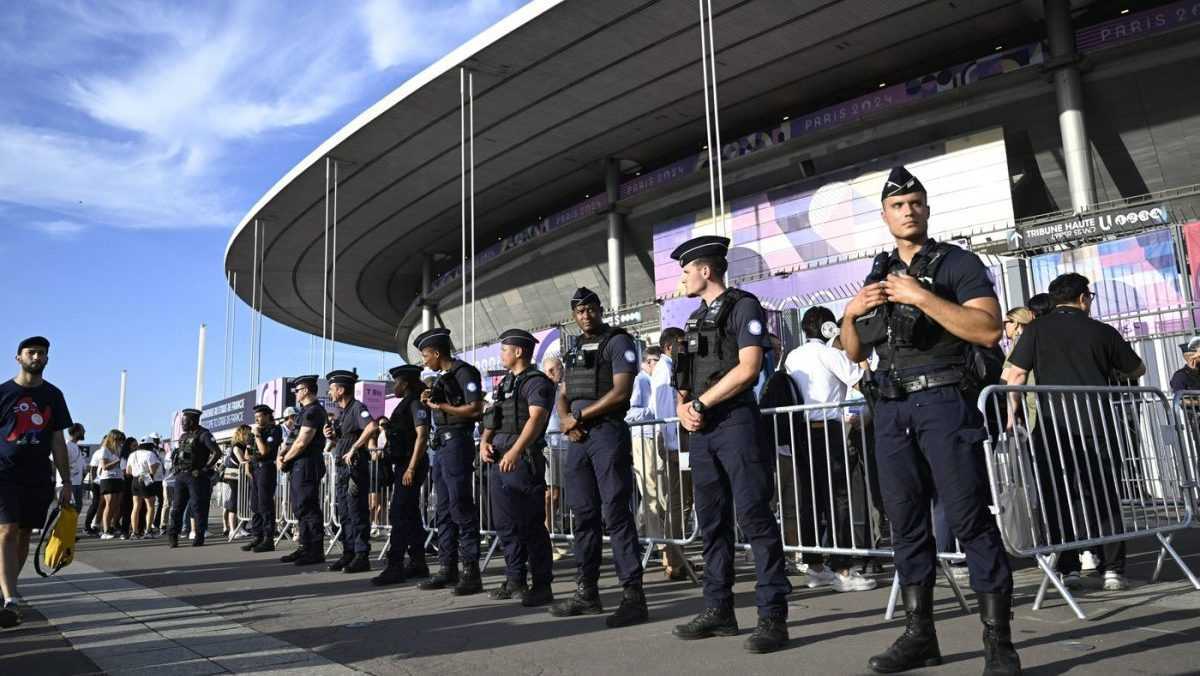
[192, 461]
[518, 498]
[599, 469]
[305, 473]
[262, 488]
[454, 465]
[404, 512]
[353, 478]
[733, 468]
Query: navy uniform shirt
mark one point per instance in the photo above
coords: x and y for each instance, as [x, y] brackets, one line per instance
[748, 321]
[535, 391]
[622, 354]
[1185, 378]
[469, 383]
[272, 438]
[314, 416]
[351, 422]
[29, 418]
[418, 413]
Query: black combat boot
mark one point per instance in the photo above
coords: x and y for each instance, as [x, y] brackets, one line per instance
[999, 656]
[710, 622]
[540, 594]
[361, 563]
[267, 545]
[199, 541]
[249, 546]
[770, 635]
[585, 601]
[471, 581]
[291, 558]
[632, 609]
[311, 557]
[342, 561]
[392, 574]
[445, 577]
[172, 540]
[918, 645]
[508, 589]
[416, 569]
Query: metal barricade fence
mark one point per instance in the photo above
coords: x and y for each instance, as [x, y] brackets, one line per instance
[1100, 466]
[329, 508]
[1186, 405]
[283, 508]
[245, 482]
[381, 494]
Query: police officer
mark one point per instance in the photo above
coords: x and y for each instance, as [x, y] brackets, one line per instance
[193, 462]
[923, 309]
[732, 466]
[268, 437]
[305, 465]
[514, 437]
[456, 402]
[408, 438]
[599, 369]
[350, 433]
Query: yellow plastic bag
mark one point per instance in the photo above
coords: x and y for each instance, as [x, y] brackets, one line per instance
[58, 540]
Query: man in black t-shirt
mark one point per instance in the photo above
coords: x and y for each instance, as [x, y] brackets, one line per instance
[1067, 347]
[33, 415]
[305, 466]
[268, 437]
[350, 433]
[513, 438]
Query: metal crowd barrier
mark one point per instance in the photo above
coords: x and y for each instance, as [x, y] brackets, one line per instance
[1100, 466]
[244, 508]
[1186, 405]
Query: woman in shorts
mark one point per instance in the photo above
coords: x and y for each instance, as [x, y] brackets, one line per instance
[237, 456]
[107, 461]
[381, 475]
[144, 464]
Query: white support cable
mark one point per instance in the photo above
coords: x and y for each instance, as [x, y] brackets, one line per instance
[462, 164]
[225, 342]
[333, 284]
[716, 107]
[253, 300]
[471, 101]
[325, 268]
[712, 189]
[233, 332]
[262, 283]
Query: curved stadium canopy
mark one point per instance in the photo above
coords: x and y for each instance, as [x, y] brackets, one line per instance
[559, 87]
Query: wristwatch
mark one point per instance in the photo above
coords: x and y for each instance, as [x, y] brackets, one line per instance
[698, 406]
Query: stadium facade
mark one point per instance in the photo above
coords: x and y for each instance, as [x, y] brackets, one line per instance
[1053, 136]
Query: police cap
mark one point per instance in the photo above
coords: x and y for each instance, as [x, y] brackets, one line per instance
[438, 339]
[340, 377]
[1192, 345]
[263, 408]
[519, 338]
[584, 296]
[33, 341]
[705, 246]
[900, 182]
[306, 381]
[405, 372]
[194, 412]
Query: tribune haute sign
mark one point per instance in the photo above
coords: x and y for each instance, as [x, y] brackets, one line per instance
[1087, 227]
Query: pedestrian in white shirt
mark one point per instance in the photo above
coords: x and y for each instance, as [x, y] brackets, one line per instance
[673, 487]
[78, 461]
[143, 467]
[107, 461]
[823, 374]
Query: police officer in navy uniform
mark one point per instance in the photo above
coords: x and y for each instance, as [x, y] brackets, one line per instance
[929, 309]
[456, 401]
[513, 439]
[733, 468]
[350, 433]
[193, 462]
[268, 437]
[407, 442]
[599, 369]
[305, 464]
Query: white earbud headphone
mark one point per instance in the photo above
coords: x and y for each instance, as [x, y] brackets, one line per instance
[830, 330]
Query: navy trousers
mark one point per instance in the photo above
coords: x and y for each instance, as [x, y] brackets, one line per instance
[929, 443]
[192, 493]
[457, 513]
[353, 507]
[733, 469]
[262, 500]
[599, 490]
[404, 513]
[519, 515]
[305, 490]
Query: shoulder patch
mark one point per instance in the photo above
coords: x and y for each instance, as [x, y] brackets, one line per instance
[630, 356]
[270, 440]
[365, 413]
[472, 387]
[422, 414]
[755, 327]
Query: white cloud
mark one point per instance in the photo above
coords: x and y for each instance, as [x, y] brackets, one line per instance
[404, 32]
[59, 229]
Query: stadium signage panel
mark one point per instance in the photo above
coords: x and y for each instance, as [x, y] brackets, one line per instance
[1091, 226]
[1135, 26]
[228, 413]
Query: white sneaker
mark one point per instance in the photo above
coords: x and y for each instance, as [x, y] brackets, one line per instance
[1087, 561]
[1073, 581]
[192, 535]
[1114, 581]
[852, 583]
[375, 532]
[821, 578]
[107, 536]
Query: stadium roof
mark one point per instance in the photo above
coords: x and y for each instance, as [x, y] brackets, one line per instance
[558, 87]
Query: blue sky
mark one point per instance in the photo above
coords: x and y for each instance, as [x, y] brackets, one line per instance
[134, 136]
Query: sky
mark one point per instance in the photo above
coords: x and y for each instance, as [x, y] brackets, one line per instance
[134, 137]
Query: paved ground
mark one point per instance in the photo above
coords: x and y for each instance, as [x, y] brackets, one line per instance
[138, 607]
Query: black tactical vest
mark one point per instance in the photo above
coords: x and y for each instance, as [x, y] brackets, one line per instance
[402, 432]
[191, 455]
[710, 349]
[587, 374]
[447, 390]
[514, 410]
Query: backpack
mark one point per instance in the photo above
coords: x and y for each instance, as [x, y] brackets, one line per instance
[779, 391]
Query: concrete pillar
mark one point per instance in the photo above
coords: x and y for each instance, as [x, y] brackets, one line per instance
[199, 399]
[426, 290]
[1069, 90]
[616, 225]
